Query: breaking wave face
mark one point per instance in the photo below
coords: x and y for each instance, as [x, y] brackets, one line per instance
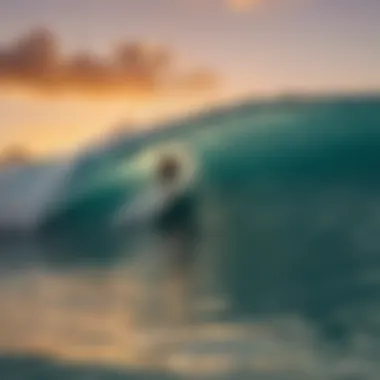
[290, 201]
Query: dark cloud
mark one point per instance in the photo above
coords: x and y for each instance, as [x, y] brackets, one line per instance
[35, 62]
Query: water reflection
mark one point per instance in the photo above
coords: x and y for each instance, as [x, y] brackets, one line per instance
[76, 313]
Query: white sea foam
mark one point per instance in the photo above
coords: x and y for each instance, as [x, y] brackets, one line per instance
[27, 192]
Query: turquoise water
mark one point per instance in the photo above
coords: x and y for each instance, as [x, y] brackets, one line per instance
[290, 211]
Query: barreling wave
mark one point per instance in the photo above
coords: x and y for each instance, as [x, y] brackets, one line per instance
[291, 198]
[323, 141]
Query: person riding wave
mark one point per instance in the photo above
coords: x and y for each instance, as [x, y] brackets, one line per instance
[171, 212]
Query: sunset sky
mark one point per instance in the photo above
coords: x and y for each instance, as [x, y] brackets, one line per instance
[92, 72]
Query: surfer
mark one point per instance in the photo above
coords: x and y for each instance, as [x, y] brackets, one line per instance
[176, 226]
[171, 212]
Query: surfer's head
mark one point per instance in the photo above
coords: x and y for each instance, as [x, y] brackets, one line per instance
[168, 169]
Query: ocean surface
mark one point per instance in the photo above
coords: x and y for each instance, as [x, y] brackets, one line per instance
[288, 264]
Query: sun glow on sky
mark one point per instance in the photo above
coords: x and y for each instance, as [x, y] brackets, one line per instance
[96, 65]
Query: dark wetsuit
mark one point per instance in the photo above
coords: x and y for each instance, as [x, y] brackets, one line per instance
[178, 220]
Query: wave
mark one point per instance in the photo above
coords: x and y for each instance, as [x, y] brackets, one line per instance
[290, 210]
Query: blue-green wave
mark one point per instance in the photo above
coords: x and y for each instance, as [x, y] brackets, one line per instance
[293, 188]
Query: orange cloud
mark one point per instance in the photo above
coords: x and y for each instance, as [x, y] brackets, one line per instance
[35, 62]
